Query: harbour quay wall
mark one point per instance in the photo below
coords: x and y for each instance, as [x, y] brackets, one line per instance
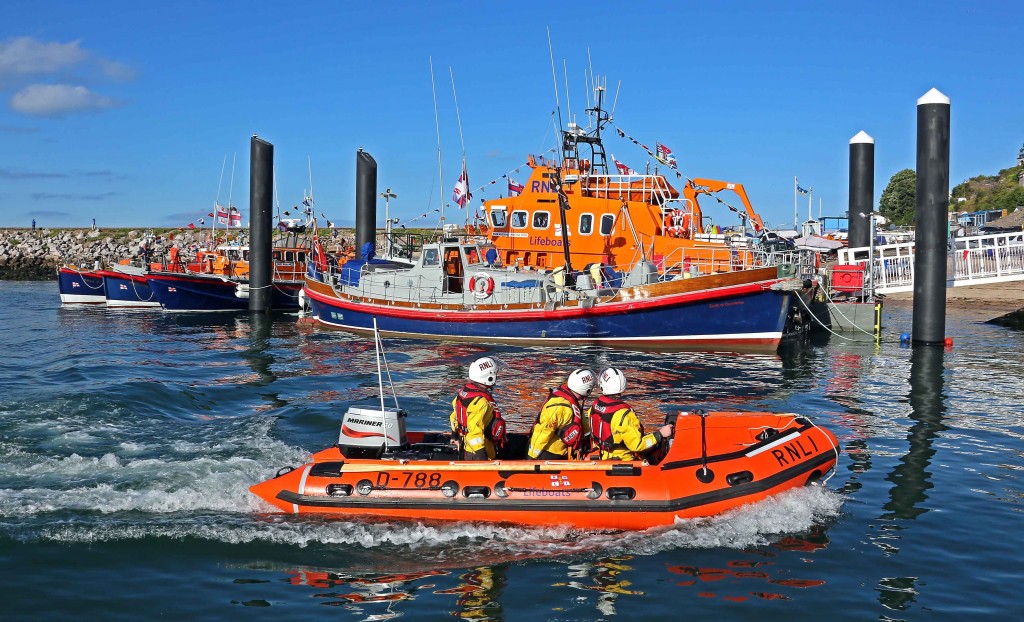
[27, 255]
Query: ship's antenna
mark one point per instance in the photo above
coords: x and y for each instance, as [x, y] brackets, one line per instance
[437, 126]
[587, 86]
[554, 79]
[591, 62]
[231, 190]
[310, 161]
[616, 100]
[277, 197]
[565, 78]
[221, 180]
[458, 116]
[217, 201]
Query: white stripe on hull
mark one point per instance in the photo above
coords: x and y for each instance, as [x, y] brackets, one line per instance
[82, 299]
[132, 303]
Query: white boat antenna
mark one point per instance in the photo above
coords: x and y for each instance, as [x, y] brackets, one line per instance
[437, 126]
[587, 86]
[554, 80]
[565, 78]
[616, 100]
[379, 346]
[231, 190]
[310, 161]
[277, 198]
[590, 61]
[221, 180]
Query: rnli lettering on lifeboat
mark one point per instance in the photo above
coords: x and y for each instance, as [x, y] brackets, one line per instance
[540, 186]
[795, 451]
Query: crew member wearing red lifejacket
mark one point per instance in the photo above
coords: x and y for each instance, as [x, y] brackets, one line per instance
[474, 419]
[561, 431]
[616, 428]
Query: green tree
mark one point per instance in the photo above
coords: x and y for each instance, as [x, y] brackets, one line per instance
[899, 198]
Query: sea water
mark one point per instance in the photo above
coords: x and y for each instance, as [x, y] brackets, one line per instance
[128, 441]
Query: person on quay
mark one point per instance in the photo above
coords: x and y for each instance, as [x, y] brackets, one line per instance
[616, 429]
[561, 431]
[475, 420]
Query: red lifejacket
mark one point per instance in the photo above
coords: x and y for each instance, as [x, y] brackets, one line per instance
[601, 414]
[465, 397]
[571, 433]
[496, 430]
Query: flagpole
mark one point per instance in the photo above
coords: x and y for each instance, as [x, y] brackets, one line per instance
[437, 127]
[796, 209]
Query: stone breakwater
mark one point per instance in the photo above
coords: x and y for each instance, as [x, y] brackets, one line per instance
[27, 255]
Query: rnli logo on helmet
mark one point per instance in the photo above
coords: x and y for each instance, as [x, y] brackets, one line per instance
[586, 378]
[485, 365]
[605, 376]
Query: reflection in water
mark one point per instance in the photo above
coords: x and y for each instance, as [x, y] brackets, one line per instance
[733, 583]
[604, 573]
[927, 407]
[479, 593]
[356, 592]
[911, 477]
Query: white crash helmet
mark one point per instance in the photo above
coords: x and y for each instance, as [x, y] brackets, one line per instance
[613, 381]
[581, 381]
[484, 371]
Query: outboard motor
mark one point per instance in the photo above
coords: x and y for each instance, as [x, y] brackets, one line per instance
[368, 433]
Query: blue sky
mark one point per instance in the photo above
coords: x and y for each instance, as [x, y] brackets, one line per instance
[124, 111]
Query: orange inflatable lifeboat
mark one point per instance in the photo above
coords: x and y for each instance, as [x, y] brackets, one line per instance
[715, 462]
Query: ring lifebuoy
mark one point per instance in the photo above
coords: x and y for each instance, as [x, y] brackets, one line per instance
[482, 285]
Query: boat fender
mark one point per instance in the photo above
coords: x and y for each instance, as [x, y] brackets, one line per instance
[283, 470]
[482, 285]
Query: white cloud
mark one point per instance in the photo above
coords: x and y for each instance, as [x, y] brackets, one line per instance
[58, 100]
[24, 56]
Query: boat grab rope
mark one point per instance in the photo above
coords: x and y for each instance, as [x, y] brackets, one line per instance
[136, 290]
[80, 273]
[791, 423]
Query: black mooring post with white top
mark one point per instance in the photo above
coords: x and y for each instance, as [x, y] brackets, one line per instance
[930, 219]
[261, 223]
[862, 189]
[366, 201]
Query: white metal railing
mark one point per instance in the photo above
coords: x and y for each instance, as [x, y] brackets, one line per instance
[650, 187]
[971, 260]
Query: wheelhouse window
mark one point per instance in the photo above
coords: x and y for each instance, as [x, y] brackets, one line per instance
[430, 257]
[519, 220]
[498, 219]
[540, 220]
[607, 224]
[586, 224]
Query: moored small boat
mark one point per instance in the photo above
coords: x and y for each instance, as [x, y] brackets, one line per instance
[127, 286]
[716, 461]
[80, 286]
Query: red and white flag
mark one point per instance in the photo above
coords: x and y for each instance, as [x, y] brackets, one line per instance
[234, 217]
[622, 168]
[514, 188]
[222, 214]
[461, 193]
